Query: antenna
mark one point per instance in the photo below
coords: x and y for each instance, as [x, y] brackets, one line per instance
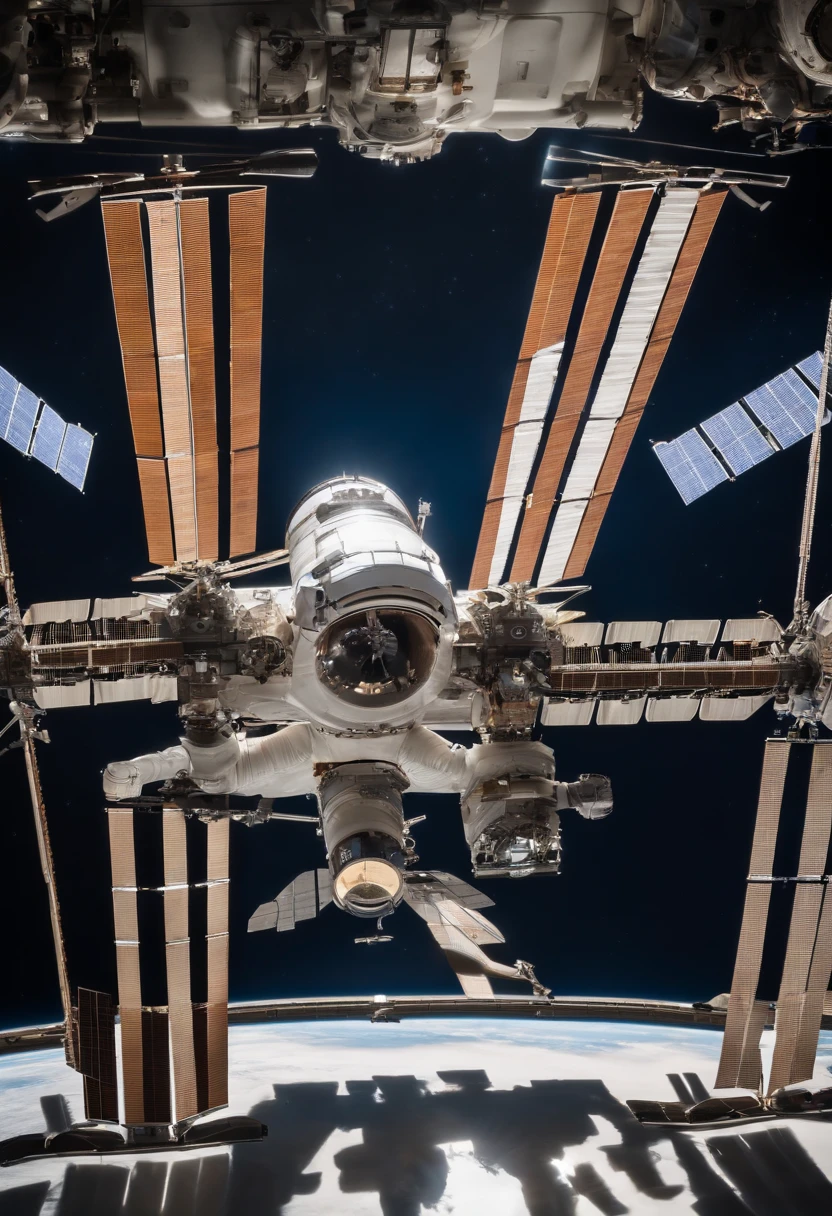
[423, 513]
[47, 865]
[809, 502]
[24, 715]
[10, 608]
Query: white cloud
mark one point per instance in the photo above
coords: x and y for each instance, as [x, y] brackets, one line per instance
[631, 1060]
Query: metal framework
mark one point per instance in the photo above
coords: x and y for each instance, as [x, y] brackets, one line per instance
[810, 499]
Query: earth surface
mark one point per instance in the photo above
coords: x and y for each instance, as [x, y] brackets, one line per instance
[457, 1115]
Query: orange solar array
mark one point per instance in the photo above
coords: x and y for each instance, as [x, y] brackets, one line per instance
[169, 367]
[125, 914]
[177, 958]
[549, 313]
[125, 254]
[739, 1062]
[564, 253]
[690, 256]
[619, 244]
[244, 470]
[808, 950]
[173, 372]
[217, 1012]
[247, 231]
[153, 481]
[199, 329]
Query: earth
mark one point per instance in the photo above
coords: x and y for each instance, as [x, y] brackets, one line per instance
[450, 1115]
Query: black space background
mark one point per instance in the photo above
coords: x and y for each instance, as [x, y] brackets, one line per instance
[395, 302]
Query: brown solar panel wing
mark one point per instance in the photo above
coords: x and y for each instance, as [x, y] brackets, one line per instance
[244, 472]
[791, 998]
[96, 1056]
[247, 234]
[687, 264]
[168, 309]
[96, 1034]
[177, 957]
[200, 1015]
[458, 951]
[199, 332]
[545, 294]
[216, 1031]
[740, 1062]
[564, 253]
[100, 1101]
[125, 255]
[153, 482]
[156, 1066]
[816, 830]
[772, 783]
[619, 245]
[809, 949]
[816, 991]
[475, 987]
[125, 914]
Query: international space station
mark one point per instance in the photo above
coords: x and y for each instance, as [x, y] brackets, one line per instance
[343, 683]
[396, 79]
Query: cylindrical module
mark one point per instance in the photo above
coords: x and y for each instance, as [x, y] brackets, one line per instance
[374, 615]
[510, 810]
[364, 833]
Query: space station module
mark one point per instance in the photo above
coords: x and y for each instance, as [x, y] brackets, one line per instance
[395, 80]
[331, 687]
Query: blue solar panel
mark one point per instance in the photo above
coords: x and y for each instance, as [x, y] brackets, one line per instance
[691, 465]
[787, 406]
[48, 438]
[796, 398]
[811, 368]
[22, 421]
[8, 391]
[75, 456]
[65, 450]
[737, 438]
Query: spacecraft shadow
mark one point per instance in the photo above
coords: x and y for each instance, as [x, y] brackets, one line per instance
[524, 1132]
